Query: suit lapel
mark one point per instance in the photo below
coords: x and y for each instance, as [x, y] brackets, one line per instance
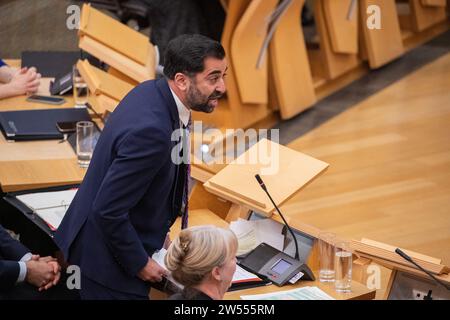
[164, 89]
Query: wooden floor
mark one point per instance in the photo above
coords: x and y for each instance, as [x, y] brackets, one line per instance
[389, 175]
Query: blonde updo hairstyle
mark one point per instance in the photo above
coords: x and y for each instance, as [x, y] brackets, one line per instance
[197, 250]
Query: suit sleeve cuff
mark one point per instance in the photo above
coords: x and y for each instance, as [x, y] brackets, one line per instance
[26, 257]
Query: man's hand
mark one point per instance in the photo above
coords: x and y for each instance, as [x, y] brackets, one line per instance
[39, 273]
[43, 272]
[57, 272]
[152, 271]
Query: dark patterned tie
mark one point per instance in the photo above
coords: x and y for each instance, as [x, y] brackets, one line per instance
[186, 160]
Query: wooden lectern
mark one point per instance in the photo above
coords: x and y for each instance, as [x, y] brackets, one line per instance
[385, 44]
[284, 171]
[373, 252]
[121, 47]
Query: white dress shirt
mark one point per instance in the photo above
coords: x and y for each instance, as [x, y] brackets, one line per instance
[183, 112]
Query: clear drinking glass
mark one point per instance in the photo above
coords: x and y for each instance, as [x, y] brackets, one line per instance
[80, 88]
[343, 267]
[85, 142]
[326, 256]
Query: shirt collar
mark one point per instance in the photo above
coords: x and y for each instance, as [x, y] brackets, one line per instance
[183, 112]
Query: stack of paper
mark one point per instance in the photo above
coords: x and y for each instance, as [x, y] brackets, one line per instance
[252, 233]
[242, 275]
[305, 293]
[49, 206]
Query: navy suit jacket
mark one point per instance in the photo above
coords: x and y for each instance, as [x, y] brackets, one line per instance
[11, 251]
[126, 203]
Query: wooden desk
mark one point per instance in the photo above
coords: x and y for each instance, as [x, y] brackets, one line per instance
[36, 164]
[359, 291]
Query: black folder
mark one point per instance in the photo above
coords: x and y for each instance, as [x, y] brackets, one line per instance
[38, 124]
[56, 64]
[50, 63]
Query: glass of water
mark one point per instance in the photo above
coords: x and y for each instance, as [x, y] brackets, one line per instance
[326, 242]
[85, 142]
[343, 267]
[80, 88]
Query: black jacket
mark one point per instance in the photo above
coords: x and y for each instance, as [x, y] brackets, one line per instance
[11, 251]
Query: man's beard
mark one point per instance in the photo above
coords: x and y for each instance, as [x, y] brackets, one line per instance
[198, 102]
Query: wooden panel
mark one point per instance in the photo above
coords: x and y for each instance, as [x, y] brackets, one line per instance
[385, 44]
[246, 45]
[34, 150]
[290, 171]
[201, 199]
[102, 103]
[433, 3]
[101, 82]
[114, 34]
[341, 18]
[127, 66]
[232, 112]
[116, 73]
[198, 217]
[424, 17]
[15, 63]
[334, 64]
[387, 253]
[32, 174]
[121, 47]
[292, 81]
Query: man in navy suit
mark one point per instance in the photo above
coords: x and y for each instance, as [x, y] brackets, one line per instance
[22, 274]
[133, 189]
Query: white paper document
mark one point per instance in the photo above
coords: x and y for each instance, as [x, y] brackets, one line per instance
[305, 293]
[251, 233]
[242, 275]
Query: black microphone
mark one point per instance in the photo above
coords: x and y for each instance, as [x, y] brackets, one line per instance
[263, 186]
[409, 259]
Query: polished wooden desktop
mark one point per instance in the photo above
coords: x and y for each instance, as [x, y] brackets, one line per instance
[36, 164]
[358, 291]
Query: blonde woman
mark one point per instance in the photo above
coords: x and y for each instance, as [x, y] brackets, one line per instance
[203, 260]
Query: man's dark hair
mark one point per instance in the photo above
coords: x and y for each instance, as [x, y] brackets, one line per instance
[186, 53]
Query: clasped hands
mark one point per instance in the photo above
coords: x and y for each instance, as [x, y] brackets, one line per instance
[43, 272]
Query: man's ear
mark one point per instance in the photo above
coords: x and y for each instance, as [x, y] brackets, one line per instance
[181, 81]
[215, 273]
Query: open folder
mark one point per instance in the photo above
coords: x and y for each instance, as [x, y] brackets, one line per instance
[50, 206]
[243, 279]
